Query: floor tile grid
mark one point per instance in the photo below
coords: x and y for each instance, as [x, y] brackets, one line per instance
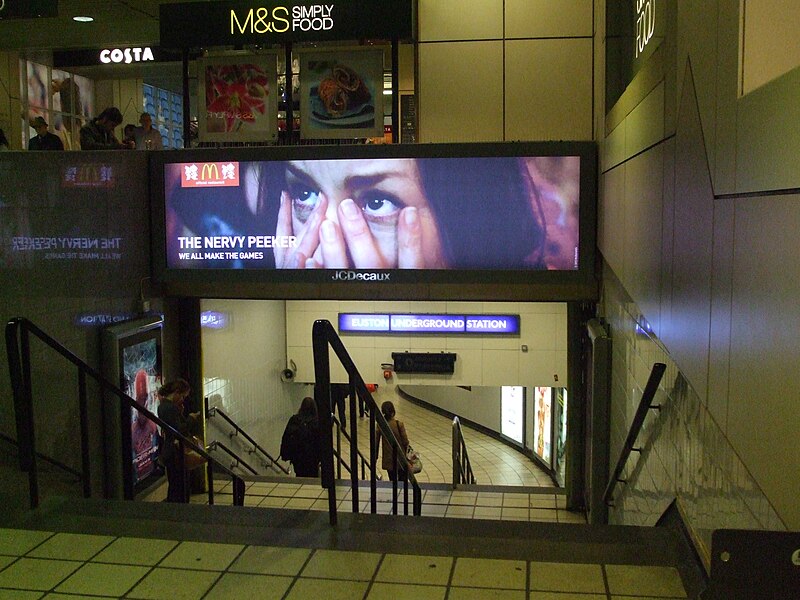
[332, 571]
[442, 503]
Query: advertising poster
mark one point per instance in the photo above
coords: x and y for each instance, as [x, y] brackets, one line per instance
[542, 424]
[512, 402]
[238, 96]
[141, 378]
[466, 213]
[341, 94]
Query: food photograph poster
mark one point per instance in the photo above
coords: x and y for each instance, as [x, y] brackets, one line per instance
[238, 98]
[341, 94]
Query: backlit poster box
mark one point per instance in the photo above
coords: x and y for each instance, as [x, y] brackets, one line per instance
[132, 358]
[512, 412]
[355, 215]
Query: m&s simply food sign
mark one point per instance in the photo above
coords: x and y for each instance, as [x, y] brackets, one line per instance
[276, 21]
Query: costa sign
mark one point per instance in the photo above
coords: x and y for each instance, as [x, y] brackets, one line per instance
[126, 55]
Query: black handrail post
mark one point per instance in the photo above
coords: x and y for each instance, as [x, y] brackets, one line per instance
[84, 416]
[15, 371]
[373, 457]
[645, 404]
[30, 439]
[353, 446]
[456, 446]
[238, 491]
[405, 493]
[395, 464]
[210, 477]
[322, 396]
[338, 448]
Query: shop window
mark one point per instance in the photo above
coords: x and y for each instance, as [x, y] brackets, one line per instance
[166, 109]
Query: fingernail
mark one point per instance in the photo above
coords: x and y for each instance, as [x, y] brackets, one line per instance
[349, 209]
[328, 231]
[410, 216]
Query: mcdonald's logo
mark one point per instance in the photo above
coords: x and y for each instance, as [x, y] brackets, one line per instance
[225, 174]
[210, 172]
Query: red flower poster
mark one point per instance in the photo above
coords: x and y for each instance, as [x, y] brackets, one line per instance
[238, 98]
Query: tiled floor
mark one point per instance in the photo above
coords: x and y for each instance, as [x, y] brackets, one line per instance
[518, 505]
[493, 462]
[39, 564]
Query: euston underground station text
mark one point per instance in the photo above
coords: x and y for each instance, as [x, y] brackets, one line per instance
[449, 324]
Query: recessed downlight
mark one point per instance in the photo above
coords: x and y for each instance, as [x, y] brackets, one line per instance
[80, 19]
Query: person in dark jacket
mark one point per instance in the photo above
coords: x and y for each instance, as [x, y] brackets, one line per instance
[44, 140]
[300, 444]
[172, 396]
[98, 134]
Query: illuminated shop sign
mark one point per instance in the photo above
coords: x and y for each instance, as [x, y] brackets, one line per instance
[126, 55]
[90, 57]
[212, 319]
[425, 323]
[276, 21]
[88, 175]
[98, 319]
[645, 24]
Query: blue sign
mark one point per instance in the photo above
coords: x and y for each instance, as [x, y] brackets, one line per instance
[213, 319]
[434, 323]
[363, 322]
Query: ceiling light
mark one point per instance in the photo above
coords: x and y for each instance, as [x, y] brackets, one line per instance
[83, 19]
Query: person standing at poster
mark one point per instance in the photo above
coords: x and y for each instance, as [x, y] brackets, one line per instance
[172, 396]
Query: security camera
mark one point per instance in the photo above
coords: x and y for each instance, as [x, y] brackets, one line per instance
[287, 376]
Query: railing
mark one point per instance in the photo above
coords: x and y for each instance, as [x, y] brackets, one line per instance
[462, 468]
[238, 462]
[272, 464]
[323, 337]
[645, 404]
[18, 332]
[340, 463]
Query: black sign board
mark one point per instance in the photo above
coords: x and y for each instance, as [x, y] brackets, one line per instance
[28, 9]
[203, 24]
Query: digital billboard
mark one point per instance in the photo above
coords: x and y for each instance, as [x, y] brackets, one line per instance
[356, 215]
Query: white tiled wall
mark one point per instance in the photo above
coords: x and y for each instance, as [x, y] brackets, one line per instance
[685, 453]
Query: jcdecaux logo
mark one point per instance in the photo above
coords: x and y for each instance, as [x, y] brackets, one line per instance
[281, 19]
[359, 276]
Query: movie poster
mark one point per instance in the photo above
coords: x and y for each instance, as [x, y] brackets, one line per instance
[141, 379]
[341, 94]
[238, 96]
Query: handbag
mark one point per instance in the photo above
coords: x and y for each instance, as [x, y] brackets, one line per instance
[191, 458]
[414, 460]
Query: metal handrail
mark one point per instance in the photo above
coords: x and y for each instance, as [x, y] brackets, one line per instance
[645, 404]
[239, 461]
[324, 336]
[363, 461]
[214, 410]
[462, 468]
[17, 333]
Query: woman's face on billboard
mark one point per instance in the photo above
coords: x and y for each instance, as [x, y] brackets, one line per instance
[369, 213]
